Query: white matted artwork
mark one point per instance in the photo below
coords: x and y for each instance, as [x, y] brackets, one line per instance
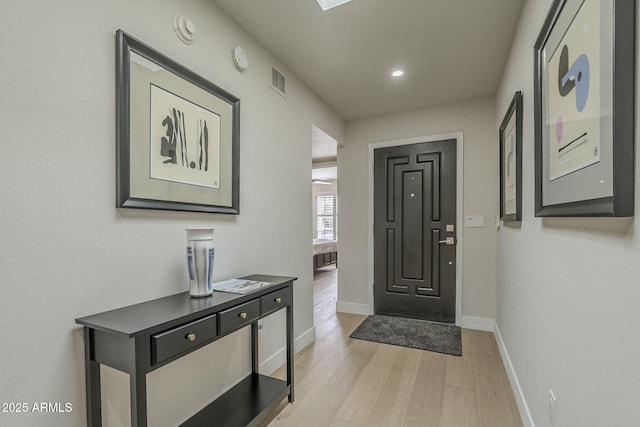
[184, 141]
[573, 116]
[509, 166]
[177, 135]
[511, 161]
[584, 109]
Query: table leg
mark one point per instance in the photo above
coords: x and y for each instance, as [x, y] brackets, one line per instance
[92, 378]
[138, 383]
[255, 361]
[290, 344]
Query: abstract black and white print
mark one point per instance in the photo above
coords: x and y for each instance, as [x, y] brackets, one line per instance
[184, 141]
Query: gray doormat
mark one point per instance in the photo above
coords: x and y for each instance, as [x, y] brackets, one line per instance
[414, 333]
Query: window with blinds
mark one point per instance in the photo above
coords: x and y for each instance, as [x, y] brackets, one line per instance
[326, 216]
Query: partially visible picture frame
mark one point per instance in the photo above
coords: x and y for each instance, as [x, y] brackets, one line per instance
[510, 136]
[584, 100]
[177, 135]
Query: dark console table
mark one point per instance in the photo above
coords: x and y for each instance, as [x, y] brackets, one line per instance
[143, 337]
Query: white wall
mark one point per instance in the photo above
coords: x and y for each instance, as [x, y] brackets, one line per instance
[65, 250]
[567, 299]
[475, 119]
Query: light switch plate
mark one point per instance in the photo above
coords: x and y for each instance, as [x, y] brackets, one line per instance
[474, 221]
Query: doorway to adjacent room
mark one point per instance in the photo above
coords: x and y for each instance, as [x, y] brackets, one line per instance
[324, 182]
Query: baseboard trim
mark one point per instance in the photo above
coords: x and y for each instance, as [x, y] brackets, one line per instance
[279, 358]
[525, 414]
[477, 323]
[304, 339]
[274, 362]
[352, 307]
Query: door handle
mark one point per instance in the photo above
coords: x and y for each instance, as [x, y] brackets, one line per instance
[448, 241]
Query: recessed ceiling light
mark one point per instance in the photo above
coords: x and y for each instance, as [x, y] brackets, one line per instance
[328, 4]
[397, 73]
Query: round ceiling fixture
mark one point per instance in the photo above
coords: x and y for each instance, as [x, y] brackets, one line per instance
[397, 73]
[240, 59]
[185, 29]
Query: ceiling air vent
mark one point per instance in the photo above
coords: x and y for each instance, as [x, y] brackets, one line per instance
[278, 81]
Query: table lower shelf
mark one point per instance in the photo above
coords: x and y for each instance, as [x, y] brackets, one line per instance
[247, 403]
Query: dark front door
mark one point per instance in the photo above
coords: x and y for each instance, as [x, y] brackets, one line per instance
[414, 230]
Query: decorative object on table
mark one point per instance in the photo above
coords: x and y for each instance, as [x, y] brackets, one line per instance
[178, 135]
[239, 286]
[511, 161]
[200, 257]
[413, 333]
[584, 109]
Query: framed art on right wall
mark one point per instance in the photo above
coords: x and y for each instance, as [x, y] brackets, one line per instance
[584, 100]
[511, 161]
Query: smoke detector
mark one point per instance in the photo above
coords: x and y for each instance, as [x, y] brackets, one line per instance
[185, 29]
[240, 59]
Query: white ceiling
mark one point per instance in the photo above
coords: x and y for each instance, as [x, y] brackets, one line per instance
[450, 50]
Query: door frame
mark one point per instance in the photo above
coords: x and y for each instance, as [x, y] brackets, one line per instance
[458, 136]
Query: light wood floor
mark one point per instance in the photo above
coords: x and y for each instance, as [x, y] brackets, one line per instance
[342, 382]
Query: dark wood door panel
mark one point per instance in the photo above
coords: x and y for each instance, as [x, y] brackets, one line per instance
[414, 200]
[411, 200]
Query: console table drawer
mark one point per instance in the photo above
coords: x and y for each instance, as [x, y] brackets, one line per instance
[175, 341]
[239, 316]
[275, 301]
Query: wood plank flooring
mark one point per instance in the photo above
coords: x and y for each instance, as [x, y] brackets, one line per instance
[342, 382]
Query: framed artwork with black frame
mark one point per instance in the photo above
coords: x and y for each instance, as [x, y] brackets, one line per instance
[510, 135]
[177, 135]
[584, 96]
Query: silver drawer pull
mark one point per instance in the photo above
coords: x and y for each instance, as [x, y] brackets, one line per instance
[279, 300]
[243, 315]
[191, 337]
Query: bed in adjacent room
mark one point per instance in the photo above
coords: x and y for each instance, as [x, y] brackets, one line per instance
[325, 252]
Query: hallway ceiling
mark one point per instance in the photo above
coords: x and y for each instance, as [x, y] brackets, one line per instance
[449, 50]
